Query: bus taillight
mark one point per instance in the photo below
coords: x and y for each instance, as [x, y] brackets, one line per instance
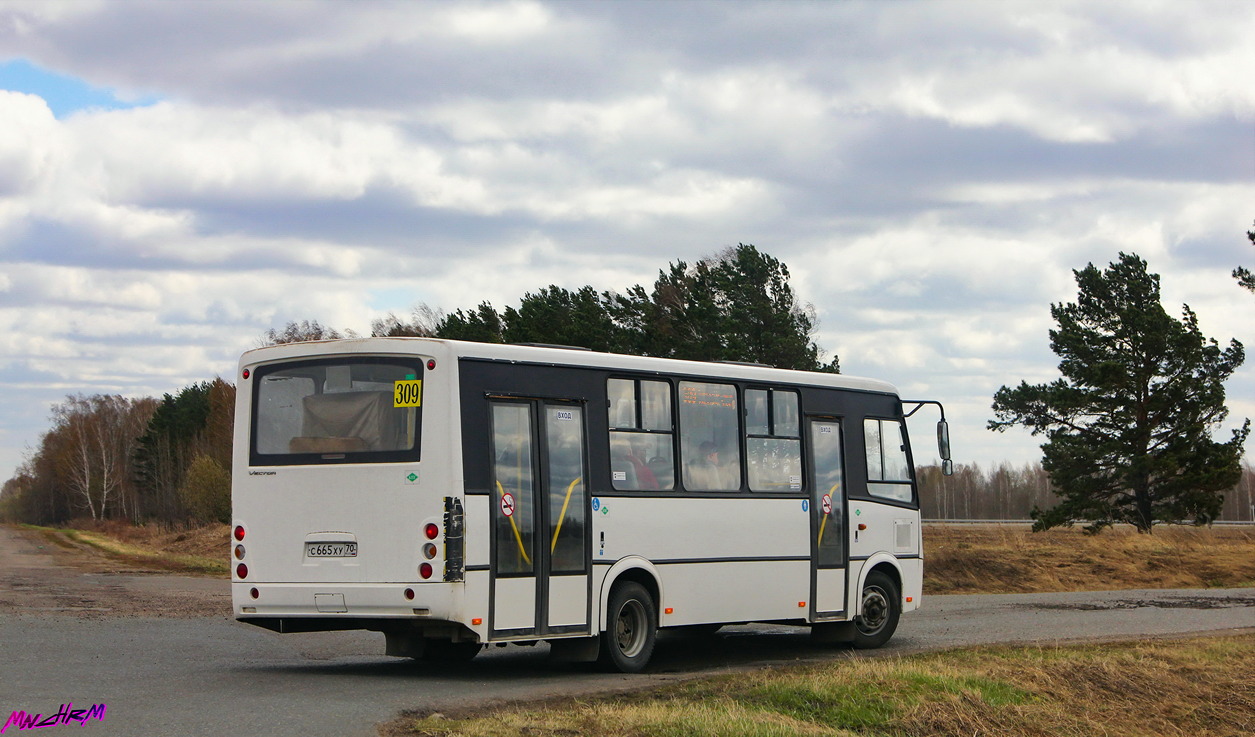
[239, 552]
[429, 551]
[431, 530]
[425, 570]
[239, 533]
[241, 570]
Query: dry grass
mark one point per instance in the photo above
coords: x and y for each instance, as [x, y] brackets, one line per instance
[1202, 687]
[986, 559]
[959, 559]
[186, 550]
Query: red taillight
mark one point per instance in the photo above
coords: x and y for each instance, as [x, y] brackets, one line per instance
[431, 530]
[254, 593]
[246, 373]
[431, 364]
[425, 570]
[409, 594]
[241, 570]
[239, 532]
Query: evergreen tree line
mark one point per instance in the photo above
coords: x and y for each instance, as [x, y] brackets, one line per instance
[735, 306]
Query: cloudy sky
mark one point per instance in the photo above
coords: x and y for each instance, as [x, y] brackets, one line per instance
[176, 178]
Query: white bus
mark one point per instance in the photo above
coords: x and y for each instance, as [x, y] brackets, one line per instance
[453, 494]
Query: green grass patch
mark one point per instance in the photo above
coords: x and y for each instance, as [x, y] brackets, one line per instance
[829, 702]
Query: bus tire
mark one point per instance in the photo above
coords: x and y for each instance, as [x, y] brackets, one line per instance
[881, 608]
[631, 629]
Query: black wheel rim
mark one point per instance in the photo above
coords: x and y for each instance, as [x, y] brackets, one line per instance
[875, 611]
[630, 629]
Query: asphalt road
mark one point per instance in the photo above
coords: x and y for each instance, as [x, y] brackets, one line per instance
[207, 675]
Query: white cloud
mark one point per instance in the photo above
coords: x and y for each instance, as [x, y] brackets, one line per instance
[930, 172]
[29, 142]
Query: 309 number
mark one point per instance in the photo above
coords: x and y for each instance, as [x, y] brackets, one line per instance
[407, 393]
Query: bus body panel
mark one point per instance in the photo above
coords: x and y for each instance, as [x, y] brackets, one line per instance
[706, 548]
[372, 506]
[889, 534]
[749, 591]
[830, 593]
[382, 508]
[697, 529]
[912, 583]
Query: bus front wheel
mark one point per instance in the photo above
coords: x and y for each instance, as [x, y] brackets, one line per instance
[881, 607]
[631, 629]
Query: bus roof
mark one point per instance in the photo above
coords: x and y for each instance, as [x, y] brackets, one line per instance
[563, 356]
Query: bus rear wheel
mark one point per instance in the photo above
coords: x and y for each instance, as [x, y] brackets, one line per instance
[631, 629]
[881, 608]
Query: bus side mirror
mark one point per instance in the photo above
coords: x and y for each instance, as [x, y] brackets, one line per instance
[943, 447]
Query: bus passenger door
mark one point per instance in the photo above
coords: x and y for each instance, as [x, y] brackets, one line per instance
[540, 534]
[828, 533]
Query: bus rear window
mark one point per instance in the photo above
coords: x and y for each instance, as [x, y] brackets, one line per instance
[355, 410]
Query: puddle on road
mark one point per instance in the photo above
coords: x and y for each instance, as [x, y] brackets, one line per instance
[1174, 603]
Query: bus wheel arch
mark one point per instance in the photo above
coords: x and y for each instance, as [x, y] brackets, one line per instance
[633, 569]
[879, 606]
[630, 618]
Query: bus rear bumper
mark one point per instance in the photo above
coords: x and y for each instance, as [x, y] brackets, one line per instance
[342, 601]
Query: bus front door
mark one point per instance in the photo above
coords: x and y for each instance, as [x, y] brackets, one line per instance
[540, 559]
[828, 532]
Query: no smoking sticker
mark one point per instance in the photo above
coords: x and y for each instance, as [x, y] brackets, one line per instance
[826, 504]
[507, 504]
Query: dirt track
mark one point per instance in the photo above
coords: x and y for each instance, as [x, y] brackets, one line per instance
[40, 577]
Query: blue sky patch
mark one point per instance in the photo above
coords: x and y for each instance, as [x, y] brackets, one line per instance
[63, 93]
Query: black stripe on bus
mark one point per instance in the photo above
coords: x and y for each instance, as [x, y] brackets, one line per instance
[688, 561]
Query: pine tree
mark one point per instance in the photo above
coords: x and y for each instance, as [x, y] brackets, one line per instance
[1129, 426]
[1244, 276]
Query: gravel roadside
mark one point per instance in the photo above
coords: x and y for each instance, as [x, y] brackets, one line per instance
[40, 577]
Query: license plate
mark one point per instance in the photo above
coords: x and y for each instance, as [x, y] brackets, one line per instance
[331, 550]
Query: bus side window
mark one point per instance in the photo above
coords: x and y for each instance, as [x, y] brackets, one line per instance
[709, 442]
[773, 442]
[888, 474]
[641, 455]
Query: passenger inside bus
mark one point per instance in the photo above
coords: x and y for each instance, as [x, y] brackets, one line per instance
[705, 473]
[631, 471]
